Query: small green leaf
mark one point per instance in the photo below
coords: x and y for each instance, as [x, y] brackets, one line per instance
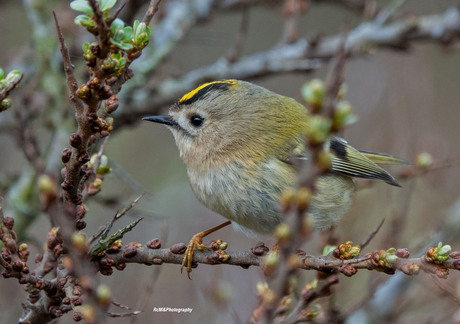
[104, 170]
[122, 38]
[106, 5]
[328, 249]
[117, 24]
[85, 47]
[84, 21]
[82, 6]
[135, 28]
[14, 76]
[125, 46]
[2, 74]
[141, 34]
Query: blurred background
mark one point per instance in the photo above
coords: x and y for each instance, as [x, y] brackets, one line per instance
[407, 102]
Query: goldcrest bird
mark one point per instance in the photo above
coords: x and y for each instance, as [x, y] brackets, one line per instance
[237, 140]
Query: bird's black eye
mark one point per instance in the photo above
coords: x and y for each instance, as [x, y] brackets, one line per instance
[196, 121]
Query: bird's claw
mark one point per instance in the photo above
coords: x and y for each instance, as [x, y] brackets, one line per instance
[195, 243]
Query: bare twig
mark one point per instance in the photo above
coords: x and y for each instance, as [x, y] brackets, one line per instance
[151, 11]
[372, 235]
[103, 230]
[308, 296]
[119, 10]
[72, 83]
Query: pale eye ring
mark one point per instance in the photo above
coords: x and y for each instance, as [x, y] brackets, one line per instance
[196, 121]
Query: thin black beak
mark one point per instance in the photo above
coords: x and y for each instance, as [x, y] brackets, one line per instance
[167, 120]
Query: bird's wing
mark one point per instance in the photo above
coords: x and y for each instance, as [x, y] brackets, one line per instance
[383, 158]
[347, 160]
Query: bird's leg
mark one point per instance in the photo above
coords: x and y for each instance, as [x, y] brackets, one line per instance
[196, 243]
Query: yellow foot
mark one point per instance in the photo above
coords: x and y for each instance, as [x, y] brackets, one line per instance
[196, 243]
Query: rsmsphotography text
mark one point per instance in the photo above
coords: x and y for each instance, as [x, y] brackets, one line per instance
[172, 310]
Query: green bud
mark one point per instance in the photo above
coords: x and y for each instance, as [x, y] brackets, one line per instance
[390, 259]
[84, 92]
[141, 34]
[142, 40]
[85, 47]
[45, 184]
[319, 130]
[14, 76]
[103, 294]
[223, 246]
[2, 74]
[313, 93]
[97, 183]
[424, 159]
[343, 115]
[272, 258]
[312, 285]
[87, 54]
[355, 251]
[282, 231]
[79, 241]
[325, 160]
[109, 64]
[445, 250]
[391, 250]
[5, 104]
[92, 160]
[104, 170]
[342, 91]
[104, 161]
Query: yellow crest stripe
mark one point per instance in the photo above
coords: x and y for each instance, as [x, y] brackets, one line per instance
[189, 96]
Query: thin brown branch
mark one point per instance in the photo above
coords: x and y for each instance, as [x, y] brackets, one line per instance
[372, 235]
[151, 11]
[417, 171]
[72, 83]
[117, 13]
[324, 289]
[327, 264]
[103, 28]
[335, 78]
